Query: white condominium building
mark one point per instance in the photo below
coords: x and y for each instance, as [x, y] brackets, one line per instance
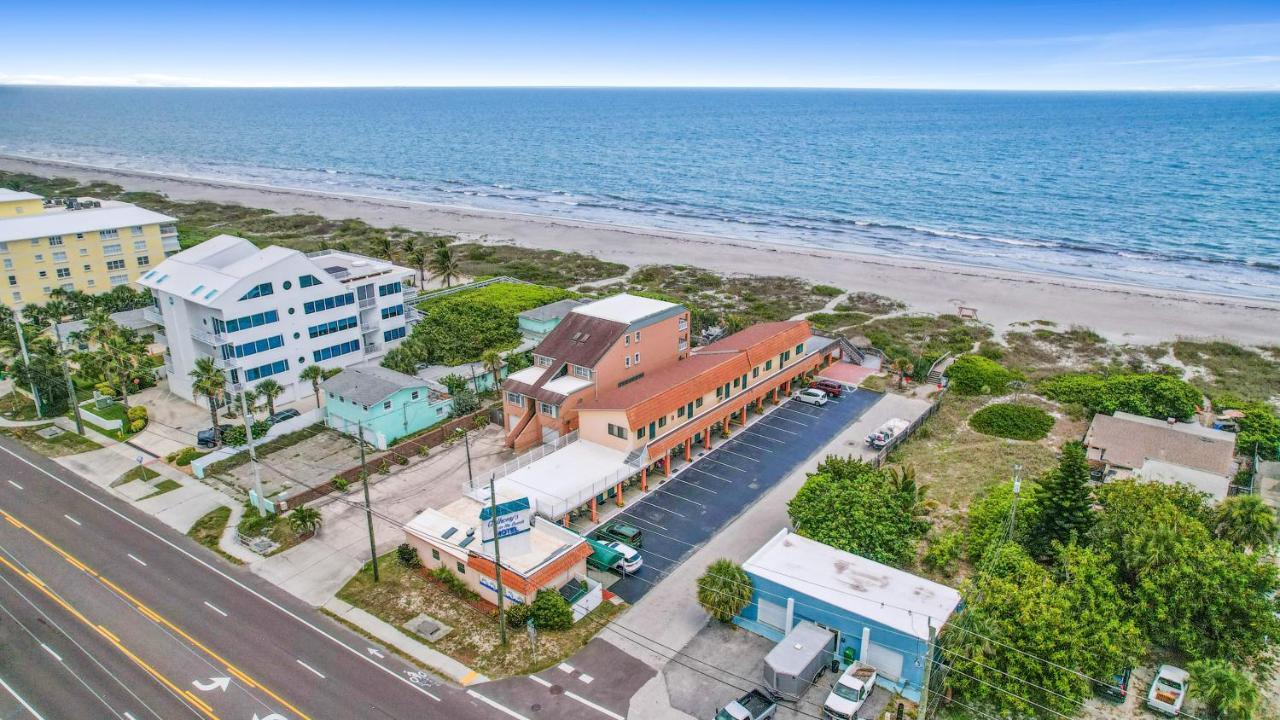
[273, 311]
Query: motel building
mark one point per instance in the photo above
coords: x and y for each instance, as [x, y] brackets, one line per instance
[536, 555]
[629, 427]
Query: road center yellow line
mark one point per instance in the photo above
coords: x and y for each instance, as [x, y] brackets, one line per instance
[152, 615]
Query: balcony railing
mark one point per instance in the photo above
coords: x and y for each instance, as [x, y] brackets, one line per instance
[211, 339]
[410, 292]
[152, 315]
[366, 303]
[225, 363]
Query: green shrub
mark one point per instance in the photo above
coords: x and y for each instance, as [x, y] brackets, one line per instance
[137, 425]
[184, 456]
[551, 611]
[137, 412]
[978, 375]
[254, 523]
[234, 436]
[408, 556]
[1259, 430]
[453, 582]
[340, 483]
[517, 615]
[260, 428]
[944, 552]
[1147, 394]
[1009, 420]
[826, 290]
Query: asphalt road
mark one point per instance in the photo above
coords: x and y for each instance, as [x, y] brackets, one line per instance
[105, 613]
[684, 512]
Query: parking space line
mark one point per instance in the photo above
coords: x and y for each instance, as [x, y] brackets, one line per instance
[763, 436]
[579, 698]
[757, 447]
[774, 429]
[748, 457]
[705, 472]
[692, 484]
[496, 706]
[688, 500]
[635, 519]
[721, 462]
[777, 416]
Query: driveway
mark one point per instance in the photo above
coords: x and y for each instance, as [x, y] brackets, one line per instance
[175, 420]
[685, 511]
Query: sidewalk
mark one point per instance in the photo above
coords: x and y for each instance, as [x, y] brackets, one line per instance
[441, 663]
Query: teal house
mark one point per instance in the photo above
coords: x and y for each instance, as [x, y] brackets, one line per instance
[539, 321]
[383, 404]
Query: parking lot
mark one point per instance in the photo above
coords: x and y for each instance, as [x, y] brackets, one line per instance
[700, 498]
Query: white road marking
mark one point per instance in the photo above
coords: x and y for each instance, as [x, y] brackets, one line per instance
[586, 678]
[740, 441]
[15, 485]
[317, 672]
[137, 560]
[215, 570]
[211, 607]
[721, 462]
[579, 698]
[218, 683]
[129, 716]
[21, 702]
[565, 667]
[771, 428]
[494, 704]
[376, 652]
[51, 652]
[71, 518]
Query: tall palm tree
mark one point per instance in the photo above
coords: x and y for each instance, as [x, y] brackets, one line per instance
[492, 361]
[57, 310]
[445, 265]
[724, 590]
[209, 380]
[901, 367]
[269, 389]
[125, 356]
[408, 244]
[315, 374]
[98, 327]
[385, 247]
[1246, 521]
[419, 259]
[250, 397]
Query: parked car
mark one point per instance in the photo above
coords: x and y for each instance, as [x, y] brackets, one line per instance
[630, 560]
[1168, 690]
[812, 396]
[286, 414]
[755, 705]
[622, 532]
[830, 387]
[1118, 688]
[208, 438]
[849, 693]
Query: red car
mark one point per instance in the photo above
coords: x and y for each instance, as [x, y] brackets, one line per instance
[829, 387]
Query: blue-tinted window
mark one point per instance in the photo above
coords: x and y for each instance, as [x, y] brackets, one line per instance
[389, 289]
[258, 291]
[393, 334]
[267, 370]
[328, 303]
[257, 346]
[331, 327]
[393, 311]
[246, 322]
[307, 281]
[336, 350]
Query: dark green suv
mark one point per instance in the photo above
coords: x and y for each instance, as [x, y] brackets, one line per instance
[622, 532]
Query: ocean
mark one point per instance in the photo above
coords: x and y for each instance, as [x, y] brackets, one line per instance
[1170, 190]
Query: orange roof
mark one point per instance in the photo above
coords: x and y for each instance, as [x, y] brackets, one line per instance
[701, 372]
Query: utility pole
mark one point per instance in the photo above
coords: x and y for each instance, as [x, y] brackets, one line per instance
[928, 673]
[368, 505]
[497, 562]
[253, 456]
[26, 359]
[71, 387]
[1013, 505]
[466, 443]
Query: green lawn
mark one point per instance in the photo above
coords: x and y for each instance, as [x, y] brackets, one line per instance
[163, 487]
[17, 406]
[209, 529]
[68, 443]
[114, 411]
[138, 473]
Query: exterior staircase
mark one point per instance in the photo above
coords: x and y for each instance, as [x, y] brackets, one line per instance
[938, 369]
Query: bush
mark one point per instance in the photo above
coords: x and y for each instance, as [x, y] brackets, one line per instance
[137, 412]
[453, 582]
[340, 483]
[978, 375]
[1260, 431]
[1147, 394]
[724, 590]
[465, 402]
[944, 552]
[260, 428]
[551, 611]
[137, 425]
[517, 616]
[184, 456]
[234, 436]
[105, 390]
[826, 290]
[1009, 420]
[408, 556]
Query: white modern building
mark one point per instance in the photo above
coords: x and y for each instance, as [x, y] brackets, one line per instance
[270, 312]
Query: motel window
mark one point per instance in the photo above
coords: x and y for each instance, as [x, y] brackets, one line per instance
[55, 239]
[680, 411]
[637, 336]
[582, 372]
[386, 405]
[64, 272]
[719, 393]
[462, 569]
[736, 381]
[139, 245]
[550, 410]
[626, 361]
[755, 372]
[640, 433]
[136, 230]
[662, 421]
[515, 398]
[115, 264]
[143, 260]
[626, 339]
[636, 361]
[44, 273]
[697, 403]
[112, 249]
[88, 267]
[768, 365]
[39, 257]
[108, 234]
[435, 554]
[800, 349]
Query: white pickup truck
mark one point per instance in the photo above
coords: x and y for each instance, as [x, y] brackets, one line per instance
[850, 692]
[1168, 690]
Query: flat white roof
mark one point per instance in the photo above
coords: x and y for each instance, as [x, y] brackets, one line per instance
[854, 583]
[7, 195]
[111, 216]
[565, 479]
[528, 376]
[1170, 474]
[546, 540]
[566, 385]
[623, 308]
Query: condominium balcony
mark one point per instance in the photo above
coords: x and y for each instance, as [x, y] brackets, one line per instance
[366, 303]
[225, 363]
[410, 292]
[211, 339]
[152, 315]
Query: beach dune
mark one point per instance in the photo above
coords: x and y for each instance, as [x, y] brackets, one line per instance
[1122, 313]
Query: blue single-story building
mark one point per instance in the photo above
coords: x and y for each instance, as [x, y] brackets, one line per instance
[386, 405]
[880, 615]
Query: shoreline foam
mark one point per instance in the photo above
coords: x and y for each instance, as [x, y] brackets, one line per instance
[1123, 313]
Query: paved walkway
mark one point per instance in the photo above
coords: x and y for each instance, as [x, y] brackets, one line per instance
[441, 663]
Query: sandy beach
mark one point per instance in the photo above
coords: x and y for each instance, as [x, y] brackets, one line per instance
[1124, 314]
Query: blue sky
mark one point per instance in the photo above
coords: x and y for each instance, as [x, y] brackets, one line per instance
[980, 45]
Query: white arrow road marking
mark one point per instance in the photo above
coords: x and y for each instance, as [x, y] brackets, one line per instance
[317, 672]
[15, 484]
[376, 653]
[215, 609]
[137, 559]
[218, 683]
[71, 518]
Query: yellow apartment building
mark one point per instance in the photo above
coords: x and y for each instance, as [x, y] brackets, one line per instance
[76, 244]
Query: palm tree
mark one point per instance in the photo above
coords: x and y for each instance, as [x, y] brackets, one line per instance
[903, 482]
[409, 244]
[269, 389]
[445, 266]
[492, 361]
[125, 355]
[250, 400]
[724, 590]
[385, 247]
[315, 374]
[304, 520]
[56, 310]
[419, 259]
[98, 327]
[209, 380]
[1228, 691]
[901, 367]
[1246, 521]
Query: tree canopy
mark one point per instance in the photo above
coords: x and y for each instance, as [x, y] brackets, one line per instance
[1148, 394]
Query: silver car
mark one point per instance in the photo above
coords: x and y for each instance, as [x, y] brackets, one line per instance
[812, 396]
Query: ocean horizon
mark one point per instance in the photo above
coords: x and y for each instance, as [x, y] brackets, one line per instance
[1170, 190]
